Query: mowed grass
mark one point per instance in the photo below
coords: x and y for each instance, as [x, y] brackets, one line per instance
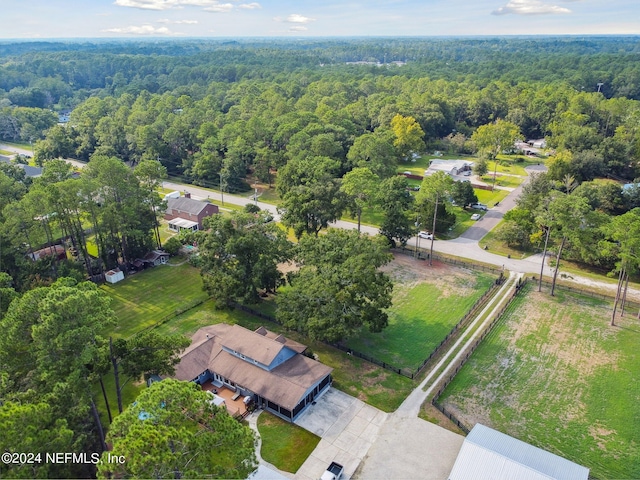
[147, 297]
[372, 384]
[555, 374]
[284, 444]
[422, 315]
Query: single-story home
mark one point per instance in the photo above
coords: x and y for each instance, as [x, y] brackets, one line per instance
[450, 167]
[155, 258]
[487, 454]
[29, 171]
[186, 213]
[265, 366]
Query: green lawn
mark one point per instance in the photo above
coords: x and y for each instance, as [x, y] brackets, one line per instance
[508, 181]
[284, 445]
[555, 374]
[514, 164]
[490, 198]
[421, 317]
[145, 298]
[499, 247]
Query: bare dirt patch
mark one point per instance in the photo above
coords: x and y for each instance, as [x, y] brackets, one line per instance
[407, 272]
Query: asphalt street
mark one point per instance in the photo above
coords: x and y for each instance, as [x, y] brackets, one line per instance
[465, 246]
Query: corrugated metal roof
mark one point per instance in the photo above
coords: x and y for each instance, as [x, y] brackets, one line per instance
[492, 455]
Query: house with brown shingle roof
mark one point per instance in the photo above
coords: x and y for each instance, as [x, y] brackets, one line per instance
[265, 366]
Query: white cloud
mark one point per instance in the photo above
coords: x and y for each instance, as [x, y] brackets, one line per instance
[220, 8]
[141, 30]
[178, 22]
[250, 6]
[529, 7]
[296, 18]
[166, 4]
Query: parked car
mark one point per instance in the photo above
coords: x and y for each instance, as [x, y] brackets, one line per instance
[467, 173]
[479, 206]
[476, 216]
[407, 173]
[334, 472]
[426, 235]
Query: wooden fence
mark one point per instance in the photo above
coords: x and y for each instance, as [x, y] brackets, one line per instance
[463, 359]
[406, 372]
[423, 254]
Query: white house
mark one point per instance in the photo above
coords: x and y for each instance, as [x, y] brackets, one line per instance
[450, 167]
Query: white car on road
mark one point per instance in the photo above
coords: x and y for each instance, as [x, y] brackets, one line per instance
[476, 216]
[426, 235]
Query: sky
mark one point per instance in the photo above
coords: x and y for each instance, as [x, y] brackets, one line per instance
[33, 19]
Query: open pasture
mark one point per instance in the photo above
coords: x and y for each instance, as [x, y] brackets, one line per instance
[555, 374]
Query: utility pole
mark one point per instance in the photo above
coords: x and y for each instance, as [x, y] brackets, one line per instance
[433, 231]
[221, 189]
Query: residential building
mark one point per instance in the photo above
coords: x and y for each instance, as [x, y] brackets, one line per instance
[186, 213]
[269, 368]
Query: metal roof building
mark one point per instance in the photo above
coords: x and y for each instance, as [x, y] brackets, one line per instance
[491, 455]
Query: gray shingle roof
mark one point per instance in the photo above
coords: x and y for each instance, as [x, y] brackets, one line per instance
[187, 205]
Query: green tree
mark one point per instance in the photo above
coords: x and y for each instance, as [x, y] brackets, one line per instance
[150, 174]
[463, 194]
[33, 427]
[310, 208]
[360, 186]
[374, 151]
[50, 351]
[396, 204]
[409, 136]
[173, 245]
[493, 138]
[7, 292]
[339, 289]
[624, 235]
[147, 353]
[481, 167]
[174, 430]
[569, 219]
[431, 203]
[239, 255]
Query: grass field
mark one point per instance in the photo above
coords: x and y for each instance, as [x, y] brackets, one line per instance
[508, 181]
[555, 374]
[284, 444]
[501, 248]
[370, 383]
[143, 299]
[427, 303]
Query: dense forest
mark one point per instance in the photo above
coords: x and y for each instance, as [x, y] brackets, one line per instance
[328, 123]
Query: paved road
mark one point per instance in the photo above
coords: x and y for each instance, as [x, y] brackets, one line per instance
[465, 246]
[495, 214]
[21, 151]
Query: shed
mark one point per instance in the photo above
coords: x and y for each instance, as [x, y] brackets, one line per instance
[114, 276]
[487, 454]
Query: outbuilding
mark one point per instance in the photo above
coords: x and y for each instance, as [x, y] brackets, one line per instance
[487, 454]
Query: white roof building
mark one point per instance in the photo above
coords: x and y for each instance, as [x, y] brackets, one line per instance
[487, 454]
[451, 167]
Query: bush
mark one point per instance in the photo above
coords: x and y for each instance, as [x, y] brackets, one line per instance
[172, 246]
[251, 208]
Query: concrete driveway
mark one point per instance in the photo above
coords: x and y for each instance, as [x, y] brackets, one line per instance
[348, 428]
